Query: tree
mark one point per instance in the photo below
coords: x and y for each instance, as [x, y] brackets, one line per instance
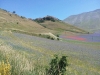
[14, 12]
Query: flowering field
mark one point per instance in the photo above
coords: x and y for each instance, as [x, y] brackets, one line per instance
[84, 37]
[29, 55]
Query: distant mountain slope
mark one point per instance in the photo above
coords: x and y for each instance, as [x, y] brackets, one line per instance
[60, 27]
[88, 21]
[57, 25]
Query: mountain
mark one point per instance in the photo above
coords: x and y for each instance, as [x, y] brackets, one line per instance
[89, 21]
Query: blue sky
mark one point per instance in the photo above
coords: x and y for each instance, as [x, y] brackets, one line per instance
[57, 8]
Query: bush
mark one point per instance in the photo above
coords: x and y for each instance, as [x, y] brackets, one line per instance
[5, 68]
[52, 38]
[52, 20]
[47, 18]
[17, 22]
[57, 35]
[4, 10]
[39, 20]
[58, 39]
[39, 34]
[57, 66]
[48, 37]
[13, 12]
[10, 14]
[22, 17]
[44, 26]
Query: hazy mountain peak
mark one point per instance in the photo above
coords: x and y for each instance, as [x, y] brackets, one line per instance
[97, 10]
[88, 20]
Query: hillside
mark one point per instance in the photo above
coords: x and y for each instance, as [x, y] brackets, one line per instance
[60, 27]
[13, 22]
[89, 21]
[57, 25]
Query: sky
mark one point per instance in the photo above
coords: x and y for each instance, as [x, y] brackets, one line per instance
[58, 8]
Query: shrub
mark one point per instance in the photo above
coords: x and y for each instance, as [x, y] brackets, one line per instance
[44, 26]
[5, 68]
[4, 10]
[17, 22]
[57, 35]
[13, 12]
[52, 20]
[48, 37]
[39, 34]
[58, 39]
[10, 14]
[39, 20]
[22, 17]
[57, 66]
[52, 38]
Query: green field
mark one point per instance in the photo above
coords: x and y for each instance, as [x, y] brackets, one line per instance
[30, 55]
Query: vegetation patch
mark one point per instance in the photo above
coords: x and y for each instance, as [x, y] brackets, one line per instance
[57, 66]
[47, 18]
[5, 68]
[49, 36]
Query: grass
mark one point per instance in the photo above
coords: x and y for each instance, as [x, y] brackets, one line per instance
[30, 55]
[5, 68]
[15, 22]
[60, 27]
[90, 44]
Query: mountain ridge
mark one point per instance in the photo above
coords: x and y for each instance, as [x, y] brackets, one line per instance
[89, 21]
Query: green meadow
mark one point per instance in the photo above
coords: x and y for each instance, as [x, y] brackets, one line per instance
[31, 55]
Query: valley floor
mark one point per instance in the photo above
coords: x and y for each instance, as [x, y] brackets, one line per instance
[83, 57]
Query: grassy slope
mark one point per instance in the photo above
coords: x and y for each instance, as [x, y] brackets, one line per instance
[61, 26]
[28, 52]
[14, 22]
